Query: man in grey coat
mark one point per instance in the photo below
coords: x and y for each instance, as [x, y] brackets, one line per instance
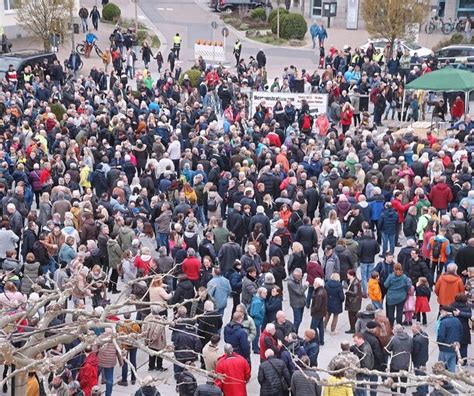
[296, 291]
[301, 382]
[400, 347]
[331, 263]
[249, 286]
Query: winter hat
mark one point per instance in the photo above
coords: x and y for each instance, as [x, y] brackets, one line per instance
[371, 325]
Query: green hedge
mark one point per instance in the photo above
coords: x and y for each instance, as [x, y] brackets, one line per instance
[111, 12]
[273, 14]
[292, 26]
[259, 14]
[194, 76]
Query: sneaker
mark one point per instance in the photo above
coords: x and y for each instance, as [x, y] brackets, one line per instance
[122, 383]
[116, 291]
[162, 369]
[5, 388]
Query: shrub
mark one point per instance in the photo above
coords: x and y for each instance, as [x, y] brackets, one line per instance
[111, 12]
[273, 14]
[58, 110]
[194, 76]
[259, 14]
[456, 38]
[293, 26]
[273, 23]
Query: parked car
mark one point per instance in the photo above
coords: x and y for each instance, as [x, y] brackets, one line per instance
[21, 59]
[229, 5]
[456, 54]
[413, 48]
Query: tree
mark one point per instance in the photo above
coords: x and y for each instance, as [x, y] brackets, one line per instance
[393, 19]
[44, 18]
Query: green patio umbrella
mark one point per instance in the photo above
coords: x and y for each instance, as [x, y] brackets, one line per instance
[444, 80]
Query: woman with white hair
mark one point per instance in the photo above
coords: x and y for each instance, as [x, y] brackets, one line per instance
[332, 222]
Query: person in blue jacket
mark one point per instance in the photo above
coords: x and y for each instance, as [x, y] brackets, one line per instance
[449, 332]
[388, 227]
[235, 335]
[257, 312]
[314, 31]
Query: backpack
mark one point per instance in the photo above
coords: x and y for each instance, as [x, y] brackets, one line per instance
[212, 204]
[437, 245]
[255, 242]
[307, 121]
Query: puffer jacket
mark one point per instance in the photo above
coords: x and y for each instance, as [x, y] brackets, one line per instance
[186, 342]
[335, 295]
[155, 333]
[271, 374]
[388, 221]
[397, 288]
[30, 275]
[235, 335]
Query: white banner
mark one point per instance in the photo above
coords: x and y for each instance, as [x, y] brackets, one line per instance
[318, 103]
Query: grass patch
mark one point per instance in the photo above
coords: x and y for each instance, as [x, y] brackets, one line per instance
[270, 39]
[155, 41]
[244, 23]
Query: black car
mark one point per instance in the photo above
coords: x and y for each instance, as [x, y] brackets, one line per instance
[21, 59]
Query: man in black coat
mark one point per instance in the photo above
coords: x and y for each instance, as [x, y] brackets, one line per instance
[261, 218]
[377, 350]
[465, 257]
[273, 376]
[306, 235]
[417, 267]
[235, 223]
[312, 197]
[276, 249]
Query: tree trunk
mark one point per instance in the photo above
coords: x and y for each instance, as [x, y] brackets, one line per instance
[46, 44]
[21, 379]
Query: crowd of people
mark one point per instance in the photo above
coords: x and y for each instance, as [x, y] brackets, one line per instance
[177, 197]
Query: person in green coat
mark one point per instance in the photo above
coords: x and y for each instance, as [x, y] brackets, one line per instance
[115, 252]
[397, 285]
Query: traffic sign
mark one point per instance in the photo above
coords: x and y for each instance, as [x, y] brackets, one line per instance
[214, 24]
[225, 32]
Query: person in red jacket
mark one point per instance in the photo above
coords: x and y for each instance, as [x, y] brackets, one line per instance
[144, 261]
[441, 195]
[191, 267]
[457, 109]
[88, 372]
[273, 139]
[268, 341]
[237, 369]
[400, 209]
[346, 117]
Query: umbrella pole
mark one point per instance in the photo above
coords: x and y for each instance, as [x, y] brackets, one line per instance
[466, 102]
[403, 101]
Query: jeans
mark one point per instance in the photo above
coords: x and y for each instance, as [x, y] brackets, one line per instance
[449, 359]
[317, 324]
[85, 26]
[423, 389]
[377, 304]
[391, 312]
[297, 317]
[51, 267]
[256, 341]
[386, 240]
[108, 374]
[314, 41]
[309, 296]
[163, 240]
[154, 362]
[361, 390]
[132, 356]
[365, 271]
[200, 215]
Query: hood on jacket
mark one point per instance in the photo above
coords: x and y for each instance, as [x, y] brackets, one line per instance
[92, 359]
[450, 278]
[189, 234]
[186, 284]
[232, 328]
[111, 241]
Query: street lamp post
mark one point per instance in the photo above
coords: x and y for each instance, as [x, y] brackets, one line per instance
[136, 16]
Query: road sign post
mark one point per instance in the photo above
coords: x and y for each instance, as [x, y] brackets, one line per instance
[225, 34]
[213, 28]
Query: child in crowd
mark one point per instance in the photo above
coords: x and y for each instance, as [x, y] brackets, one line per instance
[374, 290]
[409, 308]
[423, 294]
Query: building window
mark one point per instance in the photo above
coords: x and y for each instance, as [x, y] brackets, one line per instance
[317, 8]
[11, 4]
[465, 8]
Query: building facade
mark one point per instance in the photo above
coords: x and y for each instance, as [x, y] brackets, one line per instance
[348, 11]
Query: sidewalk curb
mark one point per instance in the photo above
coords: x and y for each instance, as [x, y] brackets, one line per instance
[151, 26]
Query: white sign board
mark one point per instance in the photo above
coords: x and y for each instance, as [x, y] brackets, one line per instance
[352, 14]
[213, 53]
[318, 103]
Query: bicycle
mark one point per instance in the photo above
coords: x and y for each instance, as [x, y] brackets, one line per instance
[81, 48]
[436, 22]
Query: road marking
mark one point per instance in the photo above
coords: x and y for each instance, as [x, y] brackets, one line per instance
[164, 9]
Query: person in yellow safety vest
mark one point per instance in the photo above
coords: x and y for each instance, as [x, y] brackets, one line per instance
[237, 51]
[377, 57]
[177, 44]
